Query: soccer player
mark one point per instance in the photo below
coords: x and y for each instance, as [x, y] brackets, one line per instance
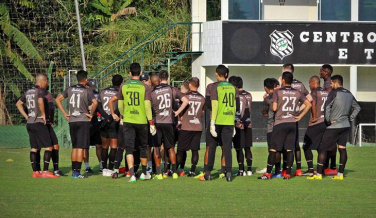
[39, 136]
[55, 143]
[80, 98]
[191, 126]
[110, 127]
[243, 137]
[224, 102]
[145, 79]
[296, 84]
[163, 97]
[285, 101]
[326, 71]
[136, 115]
[316, 126]
[340, 109]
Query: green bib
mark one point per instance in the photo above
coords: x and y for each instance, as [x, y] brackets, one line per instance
[226, 104]
[134, 102]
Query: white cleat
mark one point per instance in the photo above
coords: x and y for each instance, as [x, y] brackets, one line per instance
[133, 179]
[261, 171]
[249, 173]
[104, 172]
[145, 177]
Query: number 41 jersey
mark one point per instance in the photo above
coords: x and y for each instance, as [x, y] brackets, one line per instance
[288, 100]
[79, 98]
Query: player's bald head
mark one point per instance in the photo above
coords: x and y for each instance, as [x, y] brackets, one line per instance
[155, 80]
[41, 80]
[315, 79]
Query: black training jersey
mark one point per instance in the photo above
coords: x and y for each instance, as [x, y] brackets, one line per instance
[267, 108]
[104, 97]
[30, 97]
[244, 114]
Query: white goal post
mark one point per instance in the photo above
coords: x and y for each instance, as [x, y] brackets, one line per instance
[360, 131]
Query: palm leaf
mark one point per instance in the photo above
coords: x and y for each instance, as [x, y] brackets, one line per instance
[17, 62]
[14, 88]
[100, 8]
[125, 4]
[22, 41]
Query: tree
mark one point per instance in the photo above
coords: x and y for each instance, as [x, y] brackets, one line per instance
[10, 35]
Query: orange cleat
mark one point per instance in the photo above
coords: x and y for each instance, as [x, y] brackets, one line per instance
[181, 173]
[287, 176]
[46, 174]
[298, 172]
[37, 174]
[330, 171]
[122, 170]
[284, 172]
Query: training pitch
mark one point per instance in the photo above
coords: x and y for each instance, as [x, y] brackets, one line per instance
[98, 196]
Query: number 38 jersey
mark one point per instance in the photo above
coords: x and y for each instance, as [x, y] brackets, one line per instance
[105, 95]
[319, 96]
[288, 100]
[163, 97]
[193, 113]
[79, 98]
[30, 97]
[134, 93]
[226, 95]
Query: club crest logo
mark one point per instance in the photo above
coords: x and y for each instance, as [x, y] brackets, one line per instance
[281, 43]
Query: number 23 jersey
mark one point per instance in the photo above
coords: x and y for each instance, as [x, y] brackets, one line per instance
[288, 100]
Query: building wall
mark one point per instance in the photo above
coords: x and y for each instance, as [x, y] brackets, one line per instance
[212, 43]
[304, 10]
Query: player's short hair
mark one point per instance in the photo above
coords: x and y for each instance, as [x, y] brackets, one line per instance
[289, 66]
[275, 82]
[232, 80]
[135, 69]
[338, 79]
[81, 75]
[269, 83]
[222, 71]
[163, 75]
[117, 80]
[327, 68]
[194, 81]
[316, 79]
[186, 84]
[288, 77]
[239, 82]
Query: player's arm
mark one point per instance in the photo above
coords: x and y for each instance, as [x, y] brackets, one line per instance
[93, 108]
[182, 107]
[356, 109]
[275, 106]
[328, 106]
[42, 109]
[265, 108]
[314, 112]
[59, 99]
[308, 106]
[20, 107]
[111, 106]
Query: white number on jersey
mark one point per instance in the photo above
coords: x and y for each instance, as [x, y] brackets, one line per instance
[30, 101]
[287, 100]
[323, 103]
[105, 105]
[194, 107]
[75, 102]
[165, 101]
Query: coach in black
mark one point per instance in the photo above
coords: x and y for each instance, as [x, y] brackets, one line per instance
[340, 109]
[80, 97]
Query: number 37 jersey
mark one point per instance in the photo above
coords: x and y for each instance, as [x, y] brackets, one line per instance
[288, 100]
[193, 113]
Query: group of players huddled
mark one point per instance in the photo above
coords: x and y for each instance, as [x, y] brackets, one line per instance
[145, 117]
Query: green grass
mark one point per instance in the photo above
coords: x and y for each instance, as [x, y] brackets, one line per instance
[97, 196]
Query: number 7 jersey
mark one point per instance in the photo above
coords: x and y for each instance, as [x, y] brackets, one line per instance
[288, 100]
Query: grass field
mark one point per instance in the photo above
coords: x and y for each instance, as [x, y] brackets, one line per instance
[97, 196]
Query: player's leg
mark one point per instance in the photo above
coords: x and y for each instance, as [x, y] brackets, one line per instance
[169, 144]
[33, 151]
[226, 138]
[142, 135]
[289, 145]
[239, 151]
[44, 141]
[98, 152]
[298, 153]
[343, 138]
[247, 149]
[308, 142]
[129, 133]
[209, 158]
[113, 129]
[184, 141]
[104, 154]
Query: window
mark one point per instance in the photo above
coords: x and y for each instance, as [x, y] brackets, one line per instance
[337, 10]
[367, 10]
[213, 10]
[244, 9]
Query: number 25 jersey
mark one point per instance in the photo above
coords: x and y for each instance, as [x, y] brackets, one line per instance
[288, 100]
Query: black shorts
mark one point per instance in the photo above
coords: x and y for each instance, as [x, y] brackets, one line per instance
[110, 131]
[80, 134]
[210, 140]
[284, 135]
[243, 138]
[269, 138]
[297, 146]
[95, 134]
[135, 136]
[165, 135]
[189, 140]
[334, 137]
[312, 137]
[39, 135]
[225, 134]
[52, 135]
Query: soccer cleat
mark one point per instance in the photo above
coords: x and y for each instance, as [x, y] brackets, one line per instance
[205, 178]
[146, 176]
[278, 175]
[191, 174]
[59, 173]
[182, 173]
[249, 173]
[104, 172]
[150, 170]
[240, 173]
[127, 174]
[89, 170]
[262, 171]
[100, 170]
[222, 175]
[336, 177]
[169, 173]
[158, 177]
[122, 170]
[284, 172]
[165, 175]
[46, 174]
[229, 178]
[298, 172]
[37, 174]
[133, 179]
[307, 173]
[316, 176]
[109, 173]
[265, 176]
[81, 176]
[287, 177]
[115, 175]
[330, 171]
[199, 175]
[175, 176]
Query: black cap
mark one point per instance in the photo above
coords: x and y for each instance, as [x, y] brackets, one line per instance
[92, 83]
[144, 76]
